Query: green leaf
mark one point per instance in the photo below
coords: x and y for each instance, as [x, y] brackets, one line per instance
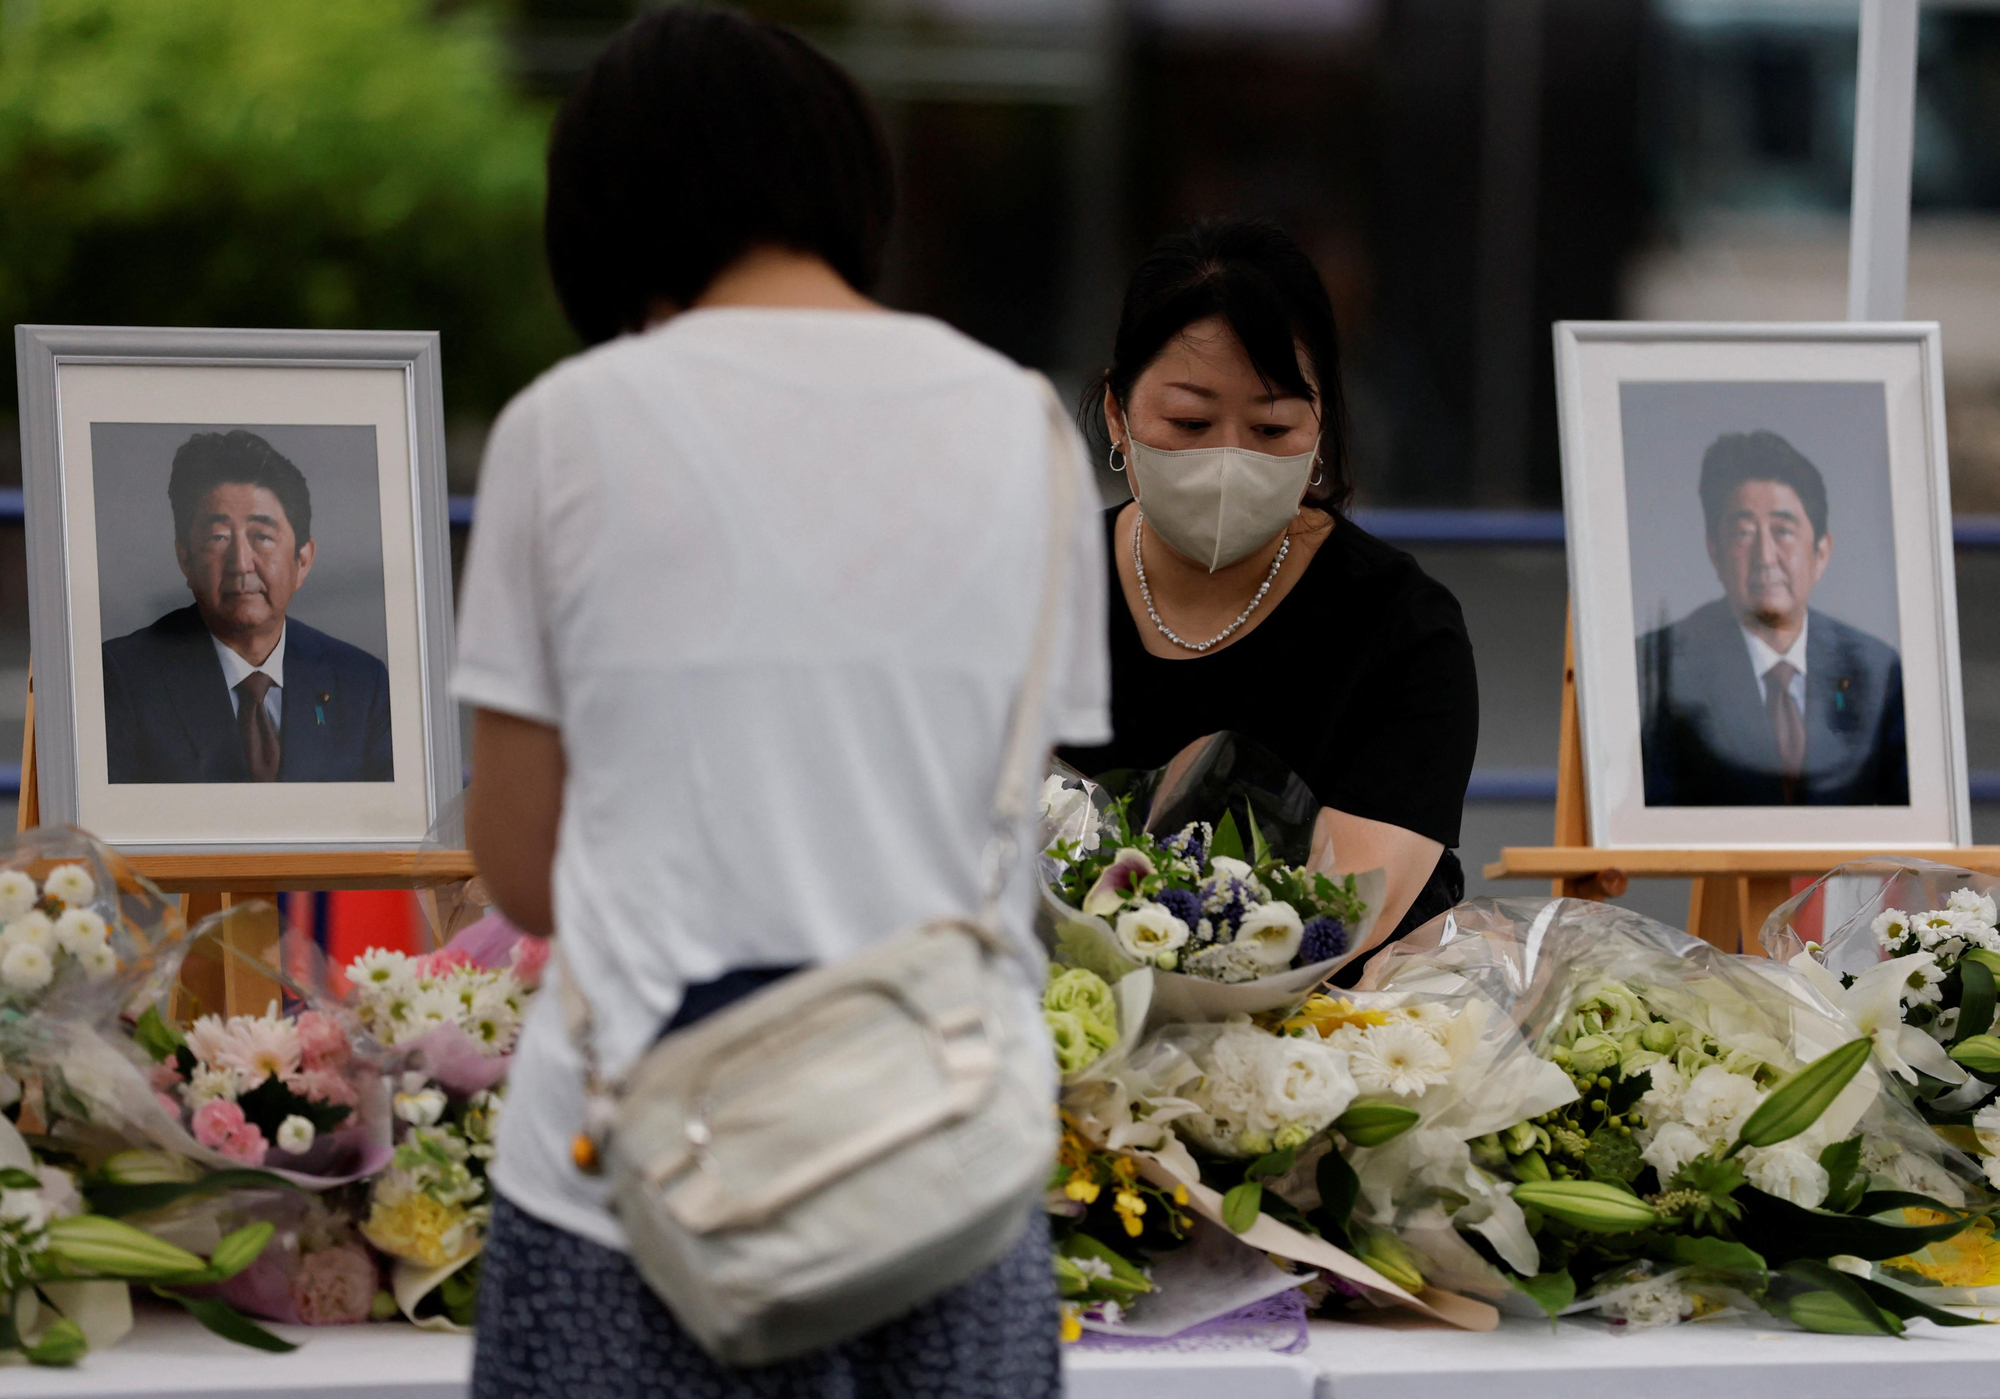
[1975, 1000]
[1836, 1314]
[14, 1178]
[239, 1249]
[1126, 1281]
[1845, 1181]
[108, 1198]
[1549, 1291]
[1897, 1302]
[1271, 1164]
[1372, 1124]
[1989, 960]
[1876, 1202]
[1339, 1188]
[228, 1323]
[1857, 1307]
[1242, 1205]
[154, 1035]
[62, 1344]
[1260, 849]
[1797, 1103]
[1784, 1232]
[1723, 1258]
[1228, 842]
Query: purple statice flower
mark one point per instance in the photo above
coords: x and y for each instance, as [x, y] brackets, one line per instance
[1183, 904]
[1190, 843]
[1324, 937]
[1224, 904]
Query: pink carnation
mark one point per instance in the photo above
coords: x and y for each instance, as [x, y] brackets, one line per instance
[335, 1286]
[530, 953]
[216, 1120]
[442, 961]
[323, 1086]
[165, 1076]
[170, 1103]
[322, 1043]
[245, 1144]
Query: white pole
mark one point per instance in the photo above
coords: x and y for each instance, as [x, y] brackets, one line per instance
[1878, 236]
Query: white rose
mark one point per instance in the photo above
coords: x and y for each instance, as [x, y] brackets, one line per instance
[1717, 1102]
[18, 894]
[1311, 1085]
[1149, 931]
[70, 883]
[1224, 867]
[295, 1134]
[79, 930]
[26, 967]
[1788, 1173]
[1274, 931]
[1672, 1147]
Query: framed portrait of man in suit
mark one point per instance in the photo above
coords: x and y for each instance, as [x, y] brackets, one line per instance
[239, 586]
[1760, 550]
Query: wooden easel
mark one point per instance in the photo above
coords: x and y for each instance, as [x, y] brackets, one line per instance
[206, 884]
[1734, 890]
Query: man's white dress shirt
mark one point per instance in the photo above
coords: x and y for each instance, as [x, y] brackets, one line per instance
[1762, 658]
[235, 670]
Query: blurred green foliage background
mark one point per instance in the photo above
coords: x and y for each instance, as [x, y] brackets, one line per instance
[351, 163]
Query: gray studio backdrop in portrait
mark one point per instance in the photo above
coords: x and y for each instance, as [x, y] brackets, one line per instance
[1842, 429]
[138, 581]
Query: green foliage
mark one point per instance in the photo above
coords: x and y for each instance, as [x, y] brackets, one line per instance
[1374, 1124]
[1242, 1205]
[1549, 1291]
[1613, 1156]
[226, 1322]
[1723, 1260]
[277, 163]
[1704, 1191]
[1975, 1000]
[1845, 1180]
[154, 1035]
[1339, 1188]
[1797, 1103]
[118, 1200]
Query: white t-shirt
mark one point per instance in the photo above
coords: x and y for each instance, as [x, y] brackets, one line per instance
[773, 574]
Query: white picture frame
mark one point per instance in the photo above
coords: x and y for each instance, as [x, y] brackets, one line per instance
[370, 753]
[1672, 757]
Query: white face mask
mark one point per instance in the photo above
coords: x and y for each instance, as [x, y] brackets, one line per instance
[1216, 505]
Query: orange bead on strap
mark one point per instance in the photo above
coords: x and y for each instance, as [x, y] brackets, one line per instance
[583, 1151]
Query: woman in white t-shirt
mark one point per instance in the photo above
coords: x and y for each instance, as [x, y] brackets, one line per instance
[749, 600]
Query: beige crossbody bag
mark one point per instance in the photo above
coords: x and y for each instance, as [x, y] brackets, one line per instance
[827, 1153]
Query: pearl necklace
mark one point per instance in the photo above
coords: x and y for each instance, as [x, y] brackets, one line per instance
[1146, 593]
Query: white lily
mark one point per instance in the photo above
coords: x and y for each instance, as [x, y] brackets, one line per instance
[1874, 1004]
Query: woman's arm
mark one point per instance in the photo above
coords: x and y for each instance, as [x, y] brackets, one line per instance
[1344, 844]
[512, 812]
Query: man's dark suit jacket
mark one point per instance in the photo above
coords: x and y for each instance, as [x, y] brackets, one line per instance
[167, 716]
[1707, 737]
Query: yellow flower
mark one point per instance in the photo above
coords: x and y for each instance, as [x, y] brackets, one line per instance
[1180, 1194]
[1130, 1206]
[1082, 1189]
[1072, 1322]
[1967, 1259]
[419, 1228]
[1325, 1014]
[1126, 1169]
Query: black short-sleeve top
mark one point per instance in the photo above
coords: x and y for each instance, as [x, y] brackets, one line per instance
[1361, 679]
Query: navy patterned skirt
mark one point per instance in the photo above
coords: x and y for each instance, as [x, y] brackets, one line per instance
[561, 1317]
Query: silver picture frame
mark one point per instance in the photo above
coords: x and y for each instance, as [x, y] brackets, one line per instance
[48, 355]
[1909, 539]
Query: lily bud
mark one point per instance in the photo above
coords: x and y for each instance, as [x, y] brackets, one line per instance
[1588, 1204]
[91, 1243]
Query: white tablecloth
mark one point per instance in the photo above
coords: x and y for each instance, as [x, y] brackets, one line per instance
[169, 1357]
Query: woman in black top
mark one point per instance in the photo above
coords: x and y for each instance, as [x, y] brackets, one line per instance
[1252, 603]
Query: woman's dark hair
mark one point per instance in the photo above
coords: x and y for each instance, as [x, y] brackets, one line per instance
[1251, 273]
[697, 135]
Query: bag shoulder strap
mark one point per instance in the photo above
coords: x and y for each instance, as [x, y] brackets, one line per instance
[1018, 757]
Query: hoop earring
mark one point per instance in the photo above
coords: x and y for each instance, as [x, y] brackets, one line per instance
[1115, 459]
[1318, 479]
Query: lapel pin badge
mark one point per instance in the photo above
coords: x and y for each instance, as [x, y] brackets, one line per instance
[319, 710]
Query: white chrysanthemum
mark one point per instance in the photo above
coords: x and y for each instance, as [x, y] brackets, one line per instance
[296, 1134]
[209, 1081]
[1149, 932]
[1940, 923]
[32, 929]
[79, 930]
[99, 961]
[377, 968]
[1925, 985]
[493, 1026]
[70, 883]
[26, 967]
[1662, 1100]
[1788, 1173]
[1657, 1303]
[1674, 1144]
[1717, 1102]
[1398, 1058]
[1272, 932]
[18, 894]
[1891, 926]
[433, 1005]
[1979, 906]
[1432, 1017]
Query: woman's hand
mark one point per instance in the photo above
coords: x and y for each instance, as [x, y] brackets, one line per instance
[1344, 844]
[512, 812]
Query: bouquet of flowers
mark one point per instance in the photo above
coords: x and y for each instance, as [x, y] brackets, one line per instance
[51, 937]
[1731, 1139]
[406, 1001]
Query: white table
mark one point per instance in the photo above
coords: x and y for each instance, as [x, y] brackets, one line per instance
[170, 1358]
